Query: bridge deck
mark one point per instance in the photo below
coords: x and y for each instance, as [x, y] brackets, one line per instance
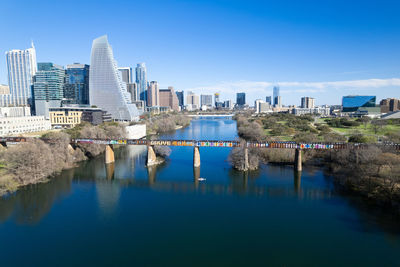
[211, 143]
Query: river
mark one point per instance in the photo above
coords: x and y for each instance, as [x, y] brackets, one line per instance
[130, 215]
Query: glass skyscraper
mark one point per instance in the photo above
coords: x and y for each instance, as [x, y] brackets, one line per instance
[179, 94]
[21, 66]
[276, 96]
[141, 81]
[241, 99]
[76, 89]
[106, 88]
[48, 87]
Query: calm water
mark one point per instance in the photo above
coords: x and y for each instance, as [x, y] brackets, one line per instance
[162, 217]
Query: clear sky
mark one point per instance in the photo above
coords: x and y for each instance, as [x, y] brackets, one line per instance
[325, 49]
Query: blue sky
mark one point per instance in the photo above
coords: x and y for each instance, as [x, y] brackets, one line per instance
[325, 49]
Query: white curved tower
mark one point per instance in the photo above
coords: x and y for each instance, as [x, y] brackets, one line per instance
[106, 88]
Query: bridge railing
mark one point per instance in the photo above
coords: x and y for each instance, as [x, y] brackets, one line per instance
[215, 143]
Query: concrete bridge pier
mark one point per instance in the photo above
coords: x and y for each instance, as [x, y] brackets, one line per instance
[151, 172]
[196, 157]
[109, 155]
[151, 156]
[196, 175]
[110, 167]
[297, 160]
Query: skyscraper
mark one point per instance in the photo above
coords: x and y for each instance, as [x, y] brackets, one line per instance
[268, 100]
[132, 89]
[21, 66]
[141, 81]
[126, 74]
[180, 94]
[107, 90]
[276, 96]
[241, 99]
[48, 87]
[76, 89]
[206, 100]
[307, 102]
[153, 94]
[168, 98]
[193, 100]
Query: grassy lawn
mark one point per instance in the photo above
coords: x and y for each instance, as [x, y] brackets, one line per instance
[369, 130]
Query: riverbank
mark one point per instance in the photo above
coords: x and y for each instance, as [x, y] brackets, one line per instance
[372, 173]
[165, 123]
[36, 161]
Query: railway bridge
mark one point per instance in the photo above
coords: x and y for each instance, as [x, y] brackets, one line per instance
[197, 144]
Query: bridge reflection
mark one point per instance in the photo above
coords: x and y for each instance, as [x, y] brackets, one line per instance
[236, 185]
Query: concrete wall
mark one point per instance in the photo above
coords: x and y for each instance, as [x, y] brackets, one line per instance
[135, 131]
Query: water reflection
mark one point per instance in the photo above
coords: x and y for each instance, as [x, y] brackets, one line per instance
[31, 203]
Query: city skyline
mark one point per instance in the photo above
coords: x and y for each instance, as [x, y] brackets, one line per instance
[315, 49]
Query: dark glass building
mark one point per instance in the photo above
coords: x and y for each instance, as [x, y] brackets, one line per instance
[76, 90]
[241, 99]
[179, 94]
[353, 102]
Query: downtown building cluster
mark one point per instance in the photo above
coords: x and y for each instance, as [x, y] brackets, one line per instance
[63, 97]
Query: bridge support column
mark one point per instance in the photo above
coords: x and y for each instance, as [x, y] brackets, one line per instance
[151, 156]
[196, 176]
[196, 157]
[297, 160]
[246, 159]
[109, 155]
[110, 167]
[297, 181]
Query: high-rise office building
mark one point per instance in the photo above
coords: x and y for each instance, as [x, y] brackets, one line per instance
[206, 100]
[389, 105]
[141, 81]
[76, 90]
[132, 89]
[228, 104]
[21, 66]
[193, 100]
[126, 74]
[180, 96]
[268, 100]
[216, 98]
[168, 98]
[276, 96]
[307, 102]
[48, 87]
[153, 94]
[241, 99]
[107, 90]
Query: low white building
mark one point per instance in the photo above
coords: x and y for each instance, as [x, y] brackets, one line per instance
[11, 126]
[323, 111]
[135, 131]
[15, 111]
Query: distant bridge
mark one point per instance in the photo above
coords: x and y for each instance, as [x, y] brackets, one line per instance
[152, 159]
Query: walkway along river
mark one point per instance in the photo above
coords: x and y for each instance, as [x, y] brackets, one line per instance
[163, 216]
